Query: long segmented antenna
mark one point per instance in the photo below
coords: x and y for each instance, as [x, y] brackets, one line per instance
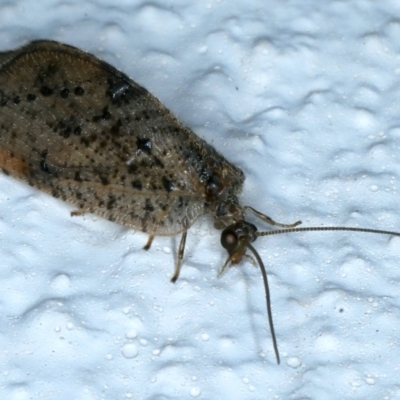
[295, 230]
[268, 299]
[325, 228]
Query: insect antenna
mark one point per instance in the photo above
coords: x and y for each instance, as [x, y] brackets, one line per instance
[268, 299]
[294, 230]
[326, 228]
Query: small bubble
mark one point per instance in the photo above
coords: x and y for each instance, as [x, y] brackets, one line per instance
[293, 362]
[373, 188]
[195, 392]
[166, 250]
[131, 334]
[129, 351]
[61, 283]
[205, 337]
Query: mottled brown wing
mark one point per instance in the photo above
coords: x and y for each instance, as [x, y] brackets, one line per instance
[77, 128]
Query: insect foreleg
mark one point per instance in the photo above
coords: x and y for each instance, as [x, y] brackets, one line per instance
[269, 220]
[180, 257]
[78, 213]
[149, 242]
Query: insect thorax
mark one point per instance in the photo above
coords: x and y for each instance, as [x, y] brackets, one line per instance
[221, 189]
[227, 212]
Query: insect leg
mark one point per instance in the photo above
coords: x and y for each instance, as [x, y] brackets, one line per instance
[225, 267]
[251, 258]
[149, 242]
[180, 257]
[269, 220]
[78, 213]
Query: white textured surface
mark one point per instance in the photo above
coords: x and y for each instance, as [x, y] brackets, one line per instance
[304, 96]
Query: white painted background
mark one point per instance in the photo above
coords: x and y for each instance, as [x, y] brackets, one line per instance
[304, 97]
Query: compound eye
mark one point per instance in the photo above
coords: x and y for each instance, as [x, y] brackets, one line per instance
[229, 240]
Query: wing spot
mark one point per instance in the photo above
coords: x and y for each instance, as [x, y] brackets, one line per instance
[148, 206]
[77, 176]
[168, 184]
[43, 164]
[64, 93]
[104, 180]
[110, 203]
[137, 185]
[144, 145]
[46, 91]
[79, 91]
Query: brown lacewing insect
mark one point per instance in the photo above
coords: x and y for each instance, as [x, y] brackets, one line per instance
[82, 131]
